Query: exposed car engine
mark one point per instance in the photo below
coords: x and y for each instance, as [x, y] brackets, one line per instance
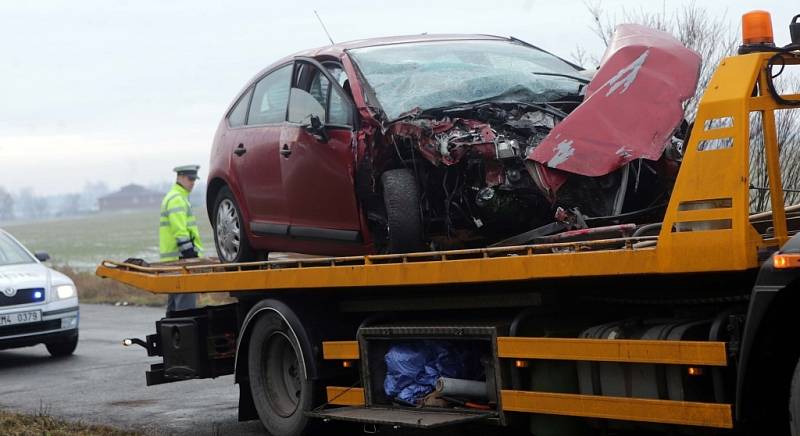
[478, 186]
[606, 153]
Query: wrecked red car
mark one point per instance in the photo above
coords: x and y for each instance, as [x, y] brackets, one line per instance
[452, 141]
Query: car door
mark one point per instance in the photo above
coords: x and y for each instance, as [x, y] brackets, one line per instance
[318, 166]
[256, 154]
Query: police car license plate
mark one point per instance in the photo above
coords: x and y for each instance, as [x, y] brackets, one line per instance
[20, 317]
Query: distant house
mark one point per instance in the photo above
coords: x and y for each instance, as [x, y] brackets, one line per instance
[130, 197]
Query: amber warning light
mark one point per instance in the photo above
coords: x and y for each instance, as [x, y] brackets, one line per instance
[757, 28]
[786, 260]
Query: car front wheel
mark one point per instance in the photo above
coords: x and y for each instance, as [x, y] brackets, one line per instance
[229, 234]
[401, 199]
[63, 348]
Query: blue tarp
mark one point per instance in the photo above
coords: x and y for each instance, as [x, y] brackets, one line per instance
[413, 368]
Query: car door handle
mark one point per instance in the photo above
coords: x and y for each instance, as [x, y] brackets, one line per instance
[240, 150]
[285, 150]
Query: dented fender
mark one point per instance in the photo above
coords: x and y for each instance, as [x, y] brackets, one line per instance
[631, 109]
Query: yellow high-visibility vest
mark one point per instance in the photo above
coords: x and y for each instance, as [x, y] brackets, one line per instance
[178, 227]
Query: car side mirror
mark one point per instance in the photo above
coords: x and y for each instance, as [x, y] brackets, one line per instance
[317, 128]
[42, 256]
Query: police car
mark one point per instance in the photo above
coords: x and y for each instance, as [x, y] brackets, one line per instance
[38, 305]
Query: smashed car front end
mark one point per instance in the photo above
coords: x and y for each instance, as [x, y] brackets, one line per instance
[504, 138]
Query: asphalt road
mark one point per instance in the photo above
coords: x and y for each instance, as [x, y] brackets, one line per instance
[103, 382]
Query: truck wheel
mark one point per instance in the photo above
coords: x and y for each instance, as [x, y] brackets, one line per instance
[401, 198]
[229, 234]
[61, 349]
[794, 401]
[280, 390]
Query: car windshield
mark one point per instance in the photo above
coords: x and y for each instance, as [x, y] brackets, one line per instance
[442, 74]
[11, 253]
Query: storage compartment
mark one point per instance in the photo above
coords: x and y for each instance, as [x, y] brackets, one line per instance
[430, 368]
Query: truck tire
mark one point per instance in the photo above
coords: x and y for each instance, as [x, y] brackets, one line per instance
[62, 349]
[401, 199]
[230, 237]
[281, 392]
[794, 402]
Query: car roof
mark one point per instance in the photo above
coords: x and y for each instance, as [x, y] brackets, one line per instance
[336, 50]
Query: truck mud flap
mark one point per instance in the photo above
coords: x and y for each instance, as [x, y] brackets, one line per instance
[412, 418]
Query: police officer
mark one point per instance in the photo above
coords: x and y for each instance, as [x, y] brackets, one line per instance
[177, 232]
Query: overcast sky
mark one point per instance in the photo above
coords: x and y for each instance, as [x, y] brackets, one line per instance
[122, 91]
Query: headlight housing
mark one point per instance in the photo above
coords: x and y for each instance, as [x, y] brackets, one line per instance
[65, 291]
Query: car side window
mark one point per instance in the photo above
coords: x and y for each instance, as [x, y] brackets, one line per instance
[270, 97]
[238, 115]
[313, 94]
[337, 73]
[309, 95]
[339, 111]
[320, 88]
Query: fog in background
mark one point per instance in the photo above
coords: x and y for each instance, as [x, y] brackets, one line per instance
[95, 94]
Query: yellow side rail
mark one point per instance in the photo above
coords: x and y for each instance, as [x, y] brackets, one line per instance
[716, 415]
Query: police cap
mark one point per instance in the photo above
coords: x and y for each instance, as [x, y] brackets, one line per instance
[187, 170]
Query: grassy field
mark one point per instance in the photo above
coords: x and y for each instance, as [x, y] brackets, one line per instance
[82, 242]
[78, 244]
[14, 424]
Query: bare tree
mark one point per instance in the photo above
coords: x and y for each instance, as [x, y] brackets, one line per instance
[32, 206]
[713, 37]
[91, 192]
[70, 204]
[6, 205]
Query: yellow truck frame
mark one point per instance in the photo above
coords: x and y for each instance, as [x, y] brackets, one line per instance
[708, 236]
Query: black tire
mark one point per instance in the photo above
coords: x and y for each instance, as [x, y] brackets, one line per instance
[230, 237]
[401, 199]
[281, 392]
[64, 348]
[794, 402]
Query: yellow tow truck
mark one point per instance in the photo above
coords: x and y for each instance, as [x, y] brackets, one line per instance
[687, 329]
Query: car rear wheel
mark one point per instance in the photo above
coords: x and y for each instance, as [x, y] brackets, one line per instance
[401, 199]
[64, 348]
[794, 402]
[281, 392]
[229, 234]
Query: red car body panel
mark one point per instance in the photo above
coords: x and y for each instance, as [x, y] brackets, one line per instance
[259, 172]
[318, 179]
[631, 109]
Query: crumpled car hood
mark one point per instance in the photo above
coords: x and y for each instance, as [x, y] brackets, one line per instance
[631, 109]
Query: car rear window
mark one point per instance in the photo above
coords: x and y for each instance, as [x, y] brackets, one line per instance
[238, 114]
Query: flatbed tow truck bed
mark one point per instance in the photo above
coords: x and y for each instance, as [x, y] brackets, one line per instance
[687, 328]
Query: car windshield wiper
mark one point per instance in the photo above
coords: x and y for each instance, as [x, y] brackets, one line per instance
[583, 80]
[500, 99]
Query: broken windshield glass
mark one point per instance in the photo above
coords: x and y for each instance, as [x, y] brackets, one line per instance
[419, 76]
